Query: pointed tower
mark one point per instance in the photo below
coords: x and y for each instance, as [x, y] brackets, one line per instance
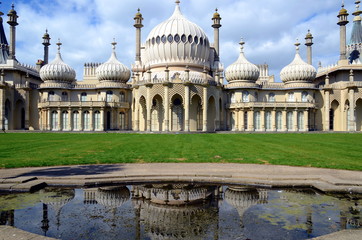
[13, 22]
[309, 43]
[4, 47]
[138, 25]
[216, 19]
[46, 43]
[354, 46]
[342, 16]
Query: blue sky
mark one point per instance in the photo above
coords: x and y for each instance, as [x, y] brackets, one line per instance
[87, 27]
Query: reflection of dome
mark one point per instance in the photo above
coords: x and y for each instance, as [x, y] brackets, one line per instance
[112, 197]
[298, 70]
[57, 198]
[57, 70]
[175, 194]
[243, 198]
[113, 70]
[177, 40]
[171, 222]
[242, 70]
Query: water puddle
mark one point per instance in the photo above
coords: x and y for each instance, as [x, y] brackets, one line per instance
[180, 211]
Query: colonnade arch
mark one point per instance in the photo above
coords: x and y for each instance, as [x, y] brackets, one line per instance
[177, 113]
[19, 115]
[211, 114]
[359, 114]
[196, 113]
[334, 116]
[157, 113]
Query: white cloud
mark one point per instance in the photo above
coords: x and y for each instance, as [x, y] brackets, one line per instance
[87, 27]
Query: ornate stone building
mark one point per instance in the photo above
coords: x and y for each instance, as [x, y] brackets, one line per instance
[177, 84]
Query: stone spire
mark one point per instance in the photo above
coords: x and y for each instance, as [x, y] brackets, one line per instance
[13, 22]
[342, 16]
[216, 25]
[138, 25]
[309, 43]
[4, 47]
[46, 43]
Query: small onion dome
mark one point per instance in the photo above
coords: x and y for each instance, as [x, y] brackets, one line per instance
[57, 70]
[113, 70]
[309, 35]
[298, 70]
[112, 197]
[138, 15]
[343, 11]
[242, 70]
[216, 15]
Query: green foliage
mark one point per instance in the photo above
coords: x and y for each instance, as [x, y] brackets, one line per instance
[337, 150]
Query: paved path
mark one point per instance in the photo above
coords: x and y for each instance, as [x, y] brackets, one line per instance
[29, 179]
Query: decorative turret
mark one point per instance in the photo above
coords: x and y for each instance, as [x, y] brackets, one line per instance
[138, 25]
[216, 18]
[354, 47]
[13, 22]
[46, 43]
[242, 70]
[4, 48]
[113, 70]
[342, 16]
[298, 71]
[57, 71]
[309, 43]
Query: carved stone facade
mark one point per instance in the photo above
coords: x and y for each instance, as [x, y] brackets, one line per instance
[177, 84]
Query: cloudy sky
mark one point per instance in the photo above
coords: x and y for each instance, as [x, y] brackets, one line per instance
[87, 27]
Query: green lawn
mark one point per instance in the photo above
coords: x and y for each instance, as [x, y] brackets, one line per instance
[338, 150]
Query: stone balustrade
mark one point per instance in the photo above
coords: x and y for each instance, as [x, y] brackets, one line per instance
[304, 105]
[79, 104]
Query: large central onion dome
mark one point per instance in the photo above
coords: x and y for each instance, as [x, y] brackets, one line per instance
[113, 70]
[177, 41]
[298, 71]
[57, 70]
[242, 70]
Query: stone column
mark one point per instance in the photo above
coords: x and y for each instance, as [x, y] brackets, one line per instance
[262, 120]
[187, 108]
[167, 107]
[204, 112]
[2, 107]
[295, 120]
[242, 122]
[326, 110]
[148, 108]
[91, 119]
[48, 123]
[306, 120]
[102, 119]
[217, 119]
[237, 120]
[251, 120]
[284, 120]
[136, 112]
[81, 119]
[70, 117]
[27, 109]
[273, 120]
[59, 119]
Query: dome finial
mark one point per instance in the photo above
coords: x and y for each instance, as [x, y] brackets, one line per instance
[114, 43]
[241, 45]
[297, 44]
[59, 44]
[177, 2]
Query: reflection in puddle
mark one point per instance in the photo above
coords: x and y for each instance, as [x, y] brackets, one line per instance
[180, 211]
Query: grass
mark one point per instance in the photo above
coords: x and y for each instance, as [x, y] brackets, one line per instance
[337, 150]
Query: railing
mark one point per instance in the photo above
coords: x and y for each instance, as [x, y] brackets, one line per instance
[341, 85]
[271, 105]
[78, 104]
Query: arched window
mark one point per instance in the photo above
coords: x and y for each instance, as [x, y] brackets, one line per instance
[163, 39]
[97, 120]
[232, 98]
[245, 120]
[268, 125]
[257, 120]
[83, 97]
[64, 96]
[304, 96]
[65, 120]
[183, 38]
[158, 40]
[271, 97]
[279, 120]
[190, 39]
[122, 121]
[290, 121]
[291, 97]
[76, 120]
[170, 38]
[51, 96]
[86, 120]
[300, 121]
[201, 41]
[196, 40]
[109, 96]
[177, 38]
[122, 97]
[54, 120]
[245, 96]
[153, 41]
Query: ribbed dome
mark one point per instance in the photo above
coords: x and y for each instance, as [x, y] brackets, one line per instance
[113, 70]
[177, 40]
[298, 70]
[242, 69]
[57, 70]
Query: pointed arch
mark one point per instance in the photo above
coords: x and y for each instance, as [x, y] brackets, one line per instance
[142, 114]
[7, 117]
[177, 115]
[19, 115]
[196, 113]
[157, 113]
[359, 114]
[211, 114]
[334, 116]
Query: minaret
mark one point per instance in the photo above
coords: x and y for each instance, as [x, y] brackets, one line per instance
[138, 25]
[216, 18]
[4, 53]
[342, 16]
[309, 43]
[12, 21]
[46, 43]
